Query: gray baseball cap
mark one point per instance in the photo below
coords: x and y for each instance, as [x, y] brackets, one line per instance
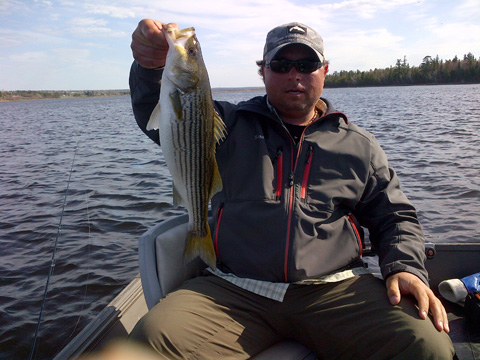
[292, 33]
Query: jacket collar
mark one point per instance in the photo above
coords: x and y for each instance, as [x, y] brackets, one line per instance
[261, 105]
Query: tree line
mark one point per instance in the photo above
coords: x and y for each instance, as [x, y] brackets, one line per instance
[431, 71]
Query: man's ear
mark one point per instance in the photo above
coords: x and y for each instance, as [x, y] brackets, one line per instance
[261, 72]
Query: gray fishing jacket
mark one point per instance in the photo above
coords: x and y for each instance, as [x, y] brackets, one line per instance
[289, 212]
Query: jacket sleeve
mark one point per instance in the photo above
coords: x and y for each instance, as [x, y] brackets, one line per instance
[145, 92]
[395, 232]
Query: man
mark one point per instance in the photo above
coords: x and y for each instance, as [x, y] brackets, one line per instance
[297, 178]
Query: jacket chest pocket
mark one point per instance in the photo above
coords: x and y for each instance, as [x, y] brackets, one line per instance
[248, 170]
[327, 180]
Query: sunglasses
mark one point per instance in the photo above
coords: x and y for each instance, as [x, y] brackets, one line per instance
[284, 66]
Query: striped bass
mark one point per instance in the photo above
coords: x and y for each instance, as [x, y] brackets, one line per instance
[189, 130]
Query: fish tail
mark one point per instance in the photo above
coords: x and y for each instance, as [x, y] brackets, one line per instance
[198, 245]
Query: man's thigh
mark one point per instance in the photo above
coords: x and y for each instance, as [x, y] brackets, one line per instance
[207, 318]
[354, 319]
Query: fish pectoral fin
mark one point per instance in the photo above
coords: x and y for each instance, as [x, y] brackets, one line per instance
[177, 198]
[176, 102]
[200, 246]
[219, 129]
[154, 121]
[217, 184]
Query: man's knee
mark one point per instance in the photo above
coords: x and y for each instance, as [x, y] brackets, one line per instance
[152, 330]
[146, 330]
[427, 345]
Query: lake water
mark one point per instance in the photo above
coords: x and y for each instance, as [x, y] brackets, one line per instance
[120, 187]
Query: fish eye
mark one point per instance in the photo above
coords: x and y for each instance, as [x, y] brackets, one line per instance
[192, 51]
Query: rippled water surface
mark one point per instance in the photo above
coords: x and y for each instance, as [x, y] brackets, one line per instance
[120, 187]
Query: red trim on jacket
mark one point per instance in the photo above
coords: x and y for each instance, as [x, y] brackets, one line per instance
[279, 159]
[306, 173]
[219, 218]
[357, 234]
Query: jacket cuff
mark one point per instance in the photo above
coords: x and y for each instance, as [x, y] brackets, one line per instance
[398, 267]
[150, 75]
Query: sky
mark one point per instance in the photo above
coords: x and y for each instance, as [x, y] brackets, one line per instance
[85, 44]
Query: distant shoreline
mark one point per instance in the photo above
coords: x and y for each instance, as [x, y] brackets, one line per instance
[22, 95]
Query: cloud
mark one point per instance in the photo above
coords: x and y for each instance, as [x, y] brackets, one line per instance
[86, 26]
[13, 39]
[29, 57]
[75, 57]
[43, 2]
[9, 38]
[111, 10]
[363, 50]
[88, 22]
[237, 17]
[470, 8]
[8, 7]
[87, 42]
[365, 9]
[439, 38]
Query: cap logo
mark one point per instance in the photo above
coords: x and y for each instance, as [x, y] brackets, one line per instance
[297, 30]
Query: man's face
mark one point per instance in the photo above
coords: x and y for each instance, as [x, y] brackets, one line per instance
[294, 94]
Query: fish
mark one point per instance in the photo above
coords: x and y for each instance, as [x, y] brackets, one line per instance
[189, 129]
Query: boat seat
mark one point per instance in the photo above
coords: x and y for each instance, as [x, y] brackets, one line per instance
[162, 270]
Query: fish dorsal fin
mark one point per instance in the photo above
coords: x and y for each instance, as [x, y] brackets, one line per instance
[154, 121]
[219, 130]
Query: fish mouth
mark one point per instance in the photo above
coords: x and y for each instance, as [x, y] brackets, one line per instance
[185, 32]
[175, 36]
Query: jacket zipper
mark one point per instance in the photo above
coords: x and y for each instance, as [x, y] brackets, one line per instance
[357, 234]
[279, 162]
[306, 173]
[219, 218]
[291, 183]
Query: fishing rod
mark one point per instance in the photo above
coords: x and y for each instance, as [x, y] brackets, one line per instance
[52, 263]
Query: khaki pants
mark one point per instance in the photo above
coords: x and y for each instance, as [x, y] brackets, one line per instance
[210, 318]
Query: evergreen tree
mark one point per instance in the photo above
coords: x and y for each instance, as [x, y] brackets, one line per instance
[431, 71]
